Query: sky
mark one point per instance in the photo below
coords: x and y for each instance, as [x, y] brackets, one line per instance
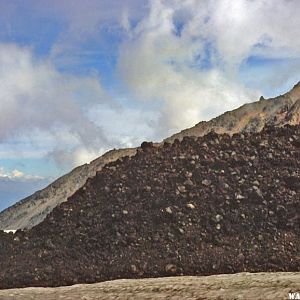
[78, 78]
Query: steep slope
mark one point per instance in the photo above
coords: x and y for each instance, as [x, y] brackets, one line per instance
[284, 109]
[33, 209]
[252, 117]
[207, 205]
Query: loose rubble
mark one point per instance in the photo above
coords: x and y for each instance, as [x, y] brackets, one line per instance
[209, 205]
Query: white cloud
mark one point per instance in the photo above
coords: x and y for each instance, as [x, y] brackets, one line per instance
[182, 56]
[87, 19]
[17, 175]
[43, 105]
[131, 125]
[60, 116]
[16, 185]
[188, 54]
[157, 64]
[239, 26]
[85, 22]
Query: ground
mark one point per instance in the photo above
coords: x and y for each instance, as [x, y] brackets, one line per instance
[236, 286]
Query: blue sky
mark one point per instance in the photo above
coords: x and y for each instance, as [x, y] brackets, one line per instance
[77, 79]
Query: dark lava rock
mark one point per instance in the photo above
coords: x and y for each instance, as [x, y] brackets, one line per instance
[209, 205]
[146, 146]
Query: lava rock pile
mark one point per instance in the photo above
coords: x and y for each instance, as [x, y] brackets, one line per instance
[208, 205]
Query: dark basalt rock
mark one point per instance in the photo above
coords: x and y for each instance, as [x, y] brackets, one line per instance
[209, 205]
[146, 146]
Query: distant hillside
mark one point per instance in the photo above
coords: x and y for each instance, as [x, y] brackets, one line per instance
[33, 209]
[251, 117]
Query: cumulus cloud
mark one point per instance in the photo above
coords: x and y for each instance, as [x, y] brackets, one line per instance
[17, 175]
[39, 102]
[187, 54]
[184, 59]
[131, 125]
[16, 185]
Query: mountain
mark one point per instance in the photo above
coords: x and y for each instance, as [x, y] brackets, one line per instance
[251, 117]
[33, 209]
[216, 204]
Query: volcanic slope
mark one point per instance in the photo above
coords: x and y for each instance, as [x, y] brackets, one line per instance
[200, 206]
[251, 117]
[33, 209]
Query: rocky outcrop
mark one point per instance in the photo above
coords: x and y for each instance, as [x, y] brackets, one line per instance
[207, 205]
[250, 117]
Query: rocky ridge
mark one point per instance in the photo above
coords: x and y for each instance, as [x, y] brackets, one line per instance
[252, 117]
[200, 206]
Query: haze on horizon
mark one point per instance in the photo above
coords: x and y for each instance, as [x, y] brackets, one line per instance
[79, 79]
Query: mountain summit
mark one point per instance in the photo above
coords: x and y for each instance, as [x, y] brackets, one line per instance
[251, 117]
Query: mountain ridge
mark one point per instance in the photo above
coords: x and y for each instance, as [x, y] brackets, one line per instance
[218, 124]
[250, 117]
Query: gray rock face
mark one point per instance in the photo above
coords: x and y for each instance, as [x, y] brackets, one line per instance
[252, 117]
